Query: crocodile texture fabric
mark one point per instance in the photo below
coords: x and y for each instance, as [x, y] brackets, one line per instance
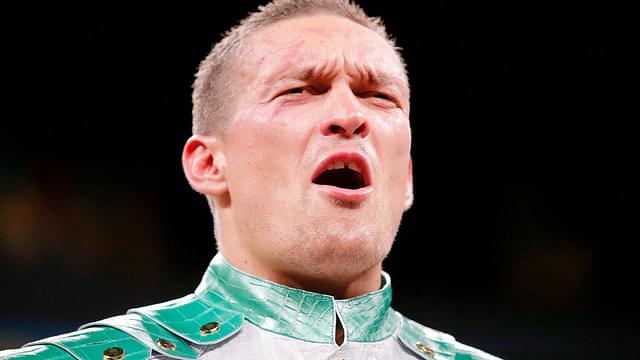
[186, 315]
[297, 313]
[37, 352]
[148, 332]
[237, 316]
[90, 343]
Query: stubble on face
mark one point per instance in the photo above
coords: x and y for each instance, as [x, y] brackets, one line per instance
[278, 218]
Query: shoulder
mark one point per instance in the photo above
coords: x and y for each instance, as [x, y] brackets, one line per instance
[90, 343]
[432, 344]
[176, 328]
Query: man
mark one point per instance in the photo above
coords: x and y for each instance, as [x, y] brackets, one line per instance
[301, 146]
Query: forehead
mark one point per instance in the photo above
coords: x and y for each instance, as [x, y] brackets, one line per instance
[320, 40]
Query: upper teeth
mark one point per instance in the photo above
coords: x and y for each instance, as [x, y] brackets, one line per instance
[341, 165]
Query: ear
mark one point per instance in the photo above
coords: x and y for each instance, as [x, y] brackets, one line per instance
[408, 201]
[204, 165]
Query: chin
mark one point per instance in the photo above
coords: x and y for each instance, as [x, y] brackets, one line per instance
[348, 252]
[344, 243]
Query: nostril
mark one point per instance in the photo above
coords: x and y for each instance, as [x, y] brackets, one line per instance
[362, 129]
[335, 129]
[346, 127]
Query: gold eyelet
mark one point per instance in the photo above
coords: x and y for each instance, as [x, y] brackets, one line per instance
[209, 328]
[113, 353]
[424, 349]
[166, 344]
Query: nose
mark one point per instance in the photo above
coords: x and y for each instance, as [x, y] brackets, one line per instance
[344, 116]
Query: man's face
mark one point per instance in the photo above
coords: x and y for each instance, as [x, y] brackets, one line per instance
[318, 153]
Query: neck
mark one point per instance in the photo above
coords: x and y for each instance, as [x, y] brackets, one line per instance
[322, 274]
[340, 286]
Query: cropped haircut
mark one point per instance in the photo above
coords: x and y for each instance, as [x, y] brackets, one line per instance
[214, 91]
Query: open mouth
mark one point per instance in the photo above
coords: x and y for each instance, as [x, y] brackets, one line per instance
[345, 177]
[346, 171]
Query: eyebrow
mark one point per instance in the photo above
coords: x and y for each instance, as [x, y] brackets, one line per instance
[301, 73]
[368, 74]
[381, 78]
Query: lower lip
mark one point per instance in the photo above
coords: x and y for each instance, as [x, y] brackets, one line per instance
[352, 195]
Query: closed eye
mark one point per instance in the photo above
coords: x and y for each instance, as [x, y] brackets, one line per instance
[380, 95]
[297, 91]
[383, 96]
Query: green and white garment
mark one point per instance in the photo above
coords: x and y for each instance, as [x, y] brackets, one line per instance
[236, 316]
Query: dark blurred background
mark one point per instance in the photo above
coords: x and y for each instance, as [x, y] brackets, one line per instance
[523, 237]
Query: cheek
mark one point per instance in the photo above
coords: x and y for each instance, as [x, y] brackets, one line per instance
[395, 148]
[260, 152]
[394, 138]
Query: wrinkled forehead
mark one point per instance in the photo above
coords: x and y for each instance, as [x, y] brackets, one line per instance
[318, 41]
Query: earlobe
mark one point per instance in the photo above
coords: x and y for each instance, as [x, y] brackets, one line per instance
[204, 165]
[408, 201]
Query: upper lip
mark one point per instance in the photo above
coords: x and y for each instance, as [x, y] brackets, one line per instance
[346, 157]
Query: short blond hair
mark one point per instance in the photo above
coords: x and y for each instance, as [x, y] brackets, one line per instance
[213, 90]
